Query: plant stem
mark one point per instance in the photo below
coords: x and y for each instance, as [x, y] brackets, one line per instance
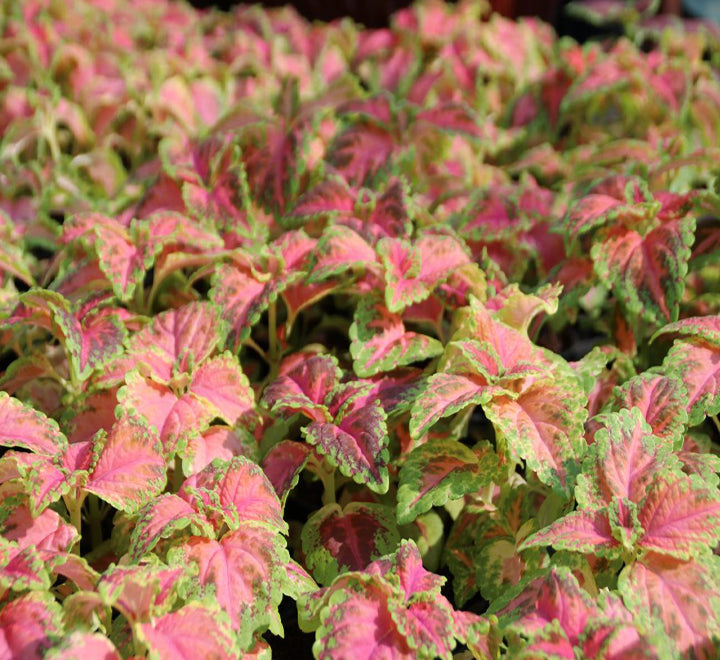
[74, 508]
[328, 479]
[716, 421]
[177, 479]
[272, 331]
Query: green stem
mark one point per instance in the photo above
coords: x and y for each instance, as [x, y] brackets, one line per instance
[74, 508]
[272, 330]
[177, 479]
[715, 420]
[328, 479]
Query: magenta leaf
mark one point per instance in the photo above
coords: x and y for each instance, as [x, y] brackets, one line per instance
[336, 540]
[283, 465]
[339, 250]
[304, 382]
[356, 440]
[128, 466]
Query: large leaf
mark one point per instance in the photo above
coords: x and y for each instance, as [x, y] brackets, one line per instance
[128, 466]
[245, 572]
[697, 364]
[661, 400]
[444, 395]
[304, 381]
[22, 426]
[627, 457]
[183, 634]
[243, 493]
[680, 598]
[358, 623]
[28, 624]
[680, 518]
[543, 425]
[646, 272]
[161, 518]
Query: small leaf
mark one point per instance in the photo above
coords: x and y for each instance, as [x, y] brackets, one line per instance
[22, 426]
[438, 471]
[336, 540]
[380, 342]
[357, 440]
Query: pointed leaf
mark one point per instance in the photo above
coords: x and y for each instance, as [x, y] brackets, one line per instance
[303, 383]
[283, 464]
[681, 598]
[680, 518]
[579, 531]
[444, 395]
[27, 625]
[543, 426]
[647, 272]
[661, 400]
[697, 364]
[160, 519]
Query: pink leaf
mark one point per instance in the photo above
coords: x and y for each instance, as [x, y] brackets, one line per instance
[243, 571]
[244, 493]
[303, 383]
[22, 426]
[680, 518]
[579, 531]
[283, 464]
[137, 590]
[183, 634]
[358, 624]
[356, 441]
[679, 597]
[26, 625]
[161, 518]
[697, 364]
[85, 644]
[129, 467]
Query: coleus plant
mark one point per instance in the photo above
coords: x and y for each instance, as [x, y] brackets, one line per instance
[395, 343]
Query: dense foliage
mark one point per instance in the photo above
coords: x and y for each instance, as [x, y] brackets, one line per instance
[408, 334]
